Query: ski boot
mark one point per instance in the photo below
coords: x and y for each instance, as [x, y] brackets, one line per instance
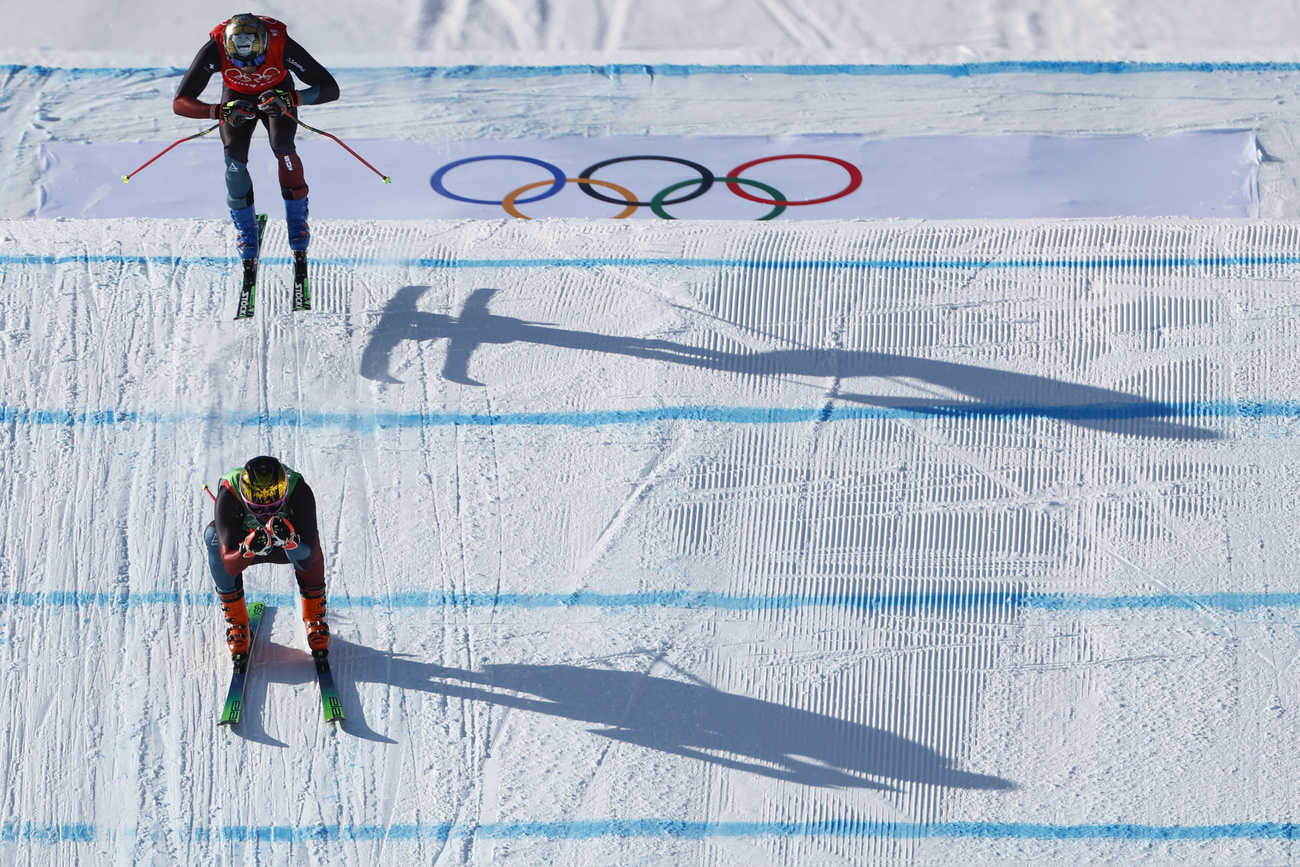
[247, 235]
[238, 637]
[295, 214]
[248, 240]
[313, 618]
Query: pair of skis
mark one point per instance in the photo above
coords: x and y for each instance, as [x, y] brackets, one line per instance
[231, 713]
[248, 290]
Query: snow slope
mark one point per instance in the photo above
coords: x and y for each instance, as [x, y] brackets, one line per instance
[885, 542]
[776, 543]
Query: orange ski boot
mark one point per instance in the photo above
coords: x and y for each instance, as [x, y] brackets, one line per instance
[313, 618]
[237, 632]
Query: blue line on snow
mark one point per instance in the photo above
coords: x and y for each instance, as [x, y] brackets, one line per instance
[938, 599]
[28, 832]
[223, 262]
[357, 422]
[685, 70]
[683, 830]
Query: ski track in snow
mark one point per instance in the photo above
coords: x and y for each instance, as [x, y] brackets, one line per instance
[903, 676]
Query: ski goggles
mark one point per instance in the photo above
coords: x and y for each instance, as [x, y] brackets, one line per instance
[264, 510]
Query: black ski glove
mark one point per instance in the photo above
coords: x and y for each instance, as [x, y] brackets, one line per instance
[278, 102]
[237, 112]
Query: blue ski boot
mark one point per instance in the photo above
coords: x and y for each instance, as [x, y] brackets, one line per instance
[295, 213]
[246, 227]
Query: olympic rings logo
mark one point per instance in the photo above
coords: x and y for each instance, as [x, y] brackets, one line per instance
[660, 201]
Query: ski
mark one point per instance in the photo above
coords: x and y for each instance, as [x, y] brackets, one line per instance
[235, 697]
[301, 285]
[248, 292]
[329, 695]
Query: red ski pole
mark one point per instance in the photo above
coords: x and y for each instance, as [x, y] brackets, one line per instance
[127, 178]
[386, 178]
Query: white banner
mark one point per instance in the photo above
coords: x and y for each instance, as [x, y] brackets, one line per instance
[820, 177]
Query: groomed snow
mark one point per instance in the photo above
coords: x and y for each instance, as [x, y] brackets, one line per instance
[723, 543]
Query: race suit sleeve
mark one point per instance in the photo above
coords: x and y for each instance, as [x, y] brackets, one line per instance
[206, 64]
[321, 85]
[230, 530]
[300, 509]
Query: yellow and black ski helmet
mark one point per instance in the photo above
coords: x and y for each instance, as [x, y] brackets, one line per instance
[263, 483]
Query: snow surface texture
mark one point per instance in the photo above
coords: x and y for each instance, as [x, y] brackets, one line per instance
[692, 543]
[720, 555]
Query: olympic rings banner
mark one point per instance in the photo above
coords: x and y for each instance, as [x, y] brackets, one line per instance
[822, 177]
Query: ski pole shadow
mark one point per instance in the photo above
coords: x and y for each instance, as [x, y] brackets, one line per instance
[690, 720]
[985, 389]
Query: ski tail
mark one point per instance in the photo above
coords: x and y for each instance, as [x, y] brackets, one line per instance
[234, 706]
[301, 285]
[329, 695]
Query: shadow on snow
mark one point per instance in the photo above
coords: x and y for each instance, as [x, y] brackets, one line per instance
[691, 720]
[986, 387]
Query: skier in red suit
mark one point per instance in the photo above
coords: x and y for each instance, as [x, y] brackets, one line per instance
[257, 62]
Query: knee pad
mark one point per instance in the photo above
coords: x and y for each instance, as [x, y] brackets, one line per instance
[239, 184]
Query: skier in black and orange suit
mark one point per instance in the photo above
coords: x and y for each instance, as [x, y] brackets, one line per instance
[266, 513]
[255, 58]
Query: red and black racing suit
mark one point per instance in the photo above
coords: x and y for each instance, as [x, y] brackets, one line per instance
[285, 58]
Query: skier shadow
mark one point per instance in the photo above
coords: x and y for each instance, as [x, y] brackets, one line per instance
[690, 720]
[281, 664]
[268, 665]
[988, 389]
